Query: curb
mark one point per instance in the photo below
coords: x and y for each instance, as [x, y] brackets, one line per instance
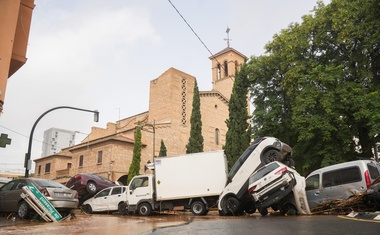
[368, 216]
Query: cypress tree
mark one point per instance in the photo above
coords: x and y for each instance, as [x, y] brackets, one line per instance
[162, 150]
[195, 143]
[134, 168]
[238, 134]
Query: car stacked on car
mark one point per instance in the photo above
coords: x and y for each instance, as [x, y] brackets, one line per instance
[107, 200]
[61, 197]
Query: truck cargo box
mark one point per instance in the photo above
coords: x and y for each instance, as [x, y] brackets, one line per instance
[191, 175]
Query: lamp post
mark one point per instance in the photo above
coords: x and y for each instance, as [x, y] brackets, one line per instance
[154, 134]
[27, 162]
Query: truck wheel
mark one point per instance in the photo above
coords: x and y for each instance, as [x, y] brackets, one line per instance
[198, 208]
[270, 156]
[91, 187]
[122, 208]
[23, 210]
[144, 209]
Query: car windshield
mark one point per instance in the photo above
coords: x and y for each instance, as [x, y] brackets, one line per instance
[244, 157]
[47, 183]
[263, 172]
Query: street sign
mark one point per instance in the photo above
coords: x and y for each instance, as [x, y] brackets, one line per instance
[4, 140]
[42, 202]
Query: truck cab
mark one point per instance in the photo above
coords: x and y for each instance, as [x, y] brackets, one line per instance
[140, 194]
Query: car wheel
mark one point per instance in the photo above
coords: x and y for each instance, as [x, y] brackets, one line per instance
[91, 187]
[198, 208]
[288, 209]
[289, 162]
[87, 208]
[122, 208]
[233, 206]
[263, 211]
[23, 210]
[250, 208]
[144, 209]
[270, 156]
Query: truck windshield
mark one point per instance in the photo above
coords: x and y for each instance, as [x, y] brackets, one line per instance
[244, 157]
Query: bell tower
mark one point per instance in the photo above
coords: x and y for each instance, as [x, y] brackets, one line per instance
[224, 66]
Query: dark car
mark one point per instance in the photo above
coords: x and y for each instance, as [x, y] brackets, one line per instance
[61, 197]
[88, 184]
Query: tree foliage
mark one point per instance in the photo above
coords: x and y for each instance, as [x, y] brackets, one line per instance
[317, 86]
[162, 149]
[196, 141]
[134, 168]
[239, 133]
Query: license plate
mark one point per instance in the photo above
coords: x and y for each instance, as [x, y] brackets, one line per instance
[63, 194]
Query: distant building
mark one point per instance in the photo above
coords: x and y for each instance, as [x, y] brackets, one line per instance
[57, 139]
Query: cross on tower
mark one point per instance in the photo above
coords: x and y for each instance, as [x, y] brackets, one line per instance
[4, 140]
[228, 37]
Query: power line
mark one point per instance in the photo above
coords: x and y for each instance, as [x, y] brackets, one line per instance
[195, 33]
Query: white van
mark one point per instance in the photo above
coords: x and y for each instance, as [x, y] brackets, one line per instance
[235, 197]
[340, 181]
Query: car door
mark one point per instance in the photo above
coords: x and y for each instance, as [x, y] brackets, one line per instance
[139, 189]
[100, 202]
[114, 198]
[314, 192]
[11, 194]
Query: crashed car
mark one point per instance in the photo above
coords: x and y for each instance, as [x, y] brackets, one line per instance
[280, 187]
[108, 200]
[235, 198]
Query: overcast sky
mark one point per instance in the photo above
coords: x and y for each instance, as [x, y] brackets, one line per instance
[102, 54]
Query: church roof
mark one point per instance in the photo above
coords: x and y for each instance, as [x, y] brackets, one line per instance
[225, 50]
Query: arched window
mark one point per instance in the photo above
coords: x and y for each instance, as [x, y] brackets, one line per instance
[225, 69]
[217, 136]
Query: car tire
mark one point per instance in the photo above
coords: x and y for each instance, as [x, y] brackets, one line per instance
[198, 208]
[288, 209]
[23, 210]
[144, 209]
[263, 211]
[122, 208]
[270, 156]
[233, 206]
[250, 208]
[91, 187]
[87, 208]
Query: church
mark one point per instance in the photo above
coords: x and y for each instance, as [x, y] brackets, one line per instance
[108, 152]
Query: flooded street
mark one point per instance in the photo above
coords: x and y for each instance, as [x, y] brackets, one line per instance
[186, 223]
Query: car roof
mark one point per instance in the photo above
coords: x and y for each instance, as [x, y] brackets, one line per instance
[340, 165]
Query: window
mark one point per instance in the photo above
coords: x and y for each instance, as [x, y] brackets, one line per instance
[39, 170]
[312, 182]
[217, 136]
[140, 182]
[218, 78]
[116, 190]
[47, 168]
[225, 69]
[100, 155]
[104, 193]
[81, 161]
[373, 171]
[342, 176]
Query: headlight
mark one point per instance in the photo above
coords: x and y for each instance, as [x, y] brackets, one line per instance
[277, 145]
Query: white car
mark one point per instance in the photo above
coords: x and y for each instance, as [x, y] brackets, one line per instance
[235, 199]
[280, 187]
[108, 200]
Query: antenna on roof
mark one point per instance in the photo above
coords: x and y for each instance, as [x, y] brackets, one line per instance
[228, 37]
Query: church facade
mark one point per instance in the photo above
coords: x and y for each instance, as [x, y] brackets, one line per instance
[108, 151]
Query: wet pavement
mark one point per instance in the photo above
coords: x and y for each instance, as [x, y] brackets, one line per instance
[186, 223]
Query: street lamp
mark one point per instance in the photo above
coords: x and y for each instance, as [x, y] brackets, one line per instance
[154, 134]
[27, 162]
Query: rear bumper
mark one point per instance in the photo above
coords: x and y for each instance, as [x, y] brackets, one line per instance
[72, 204]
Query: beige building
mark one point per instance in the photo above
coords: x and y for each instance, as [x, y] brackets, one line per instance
[15, 19]
[108, 152]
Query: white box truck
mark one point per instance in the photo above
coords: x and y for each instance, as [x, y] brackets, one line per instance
[192, 182]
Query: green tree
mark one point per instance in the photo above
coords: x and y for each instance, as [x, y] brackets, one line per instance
[162, 149]
[238, 134]
[195, 143]
[325, 75]
[134, 168]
